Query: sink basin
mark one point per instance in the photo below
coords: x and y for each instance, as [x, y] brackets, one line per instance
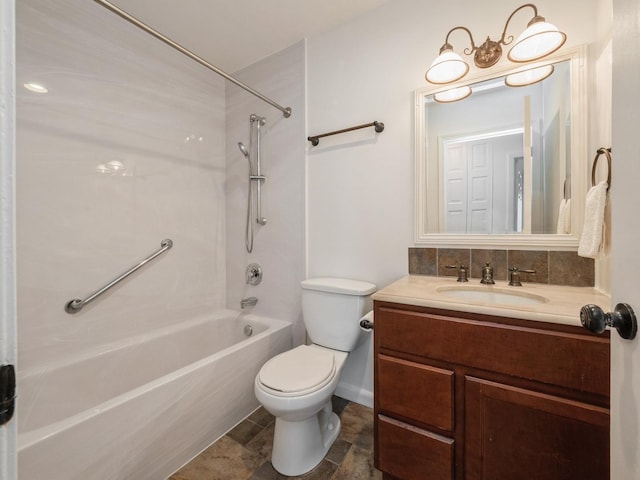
[489, 294]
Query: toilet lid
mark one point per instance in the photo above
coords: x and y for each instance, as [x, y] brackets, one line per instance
[304, 368]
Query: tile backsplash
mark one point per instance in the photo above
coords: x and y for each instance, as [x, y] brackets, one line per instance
[552, 267]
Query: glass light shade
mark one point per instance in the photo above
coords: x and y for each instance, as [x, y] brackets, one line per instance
[446, 68]
[528, 77]
[452, 95]
[537, 41]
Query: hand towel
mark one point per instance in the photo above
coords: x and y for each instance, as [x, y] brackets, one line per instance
[567, 216]
[561, 227]
[592, 231]
[564, 217]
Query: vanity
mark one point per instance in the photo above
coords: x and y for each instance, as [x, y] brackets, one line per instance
[489, 382]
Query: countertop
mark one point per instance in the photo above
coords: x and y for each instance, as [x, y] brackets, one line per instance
[559, 304]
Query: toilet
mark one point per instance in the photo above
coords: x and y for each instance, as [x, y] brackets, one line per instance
[296, 386]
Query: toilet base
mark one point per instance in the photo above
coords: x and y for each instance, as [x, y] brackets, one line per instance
[300, 446]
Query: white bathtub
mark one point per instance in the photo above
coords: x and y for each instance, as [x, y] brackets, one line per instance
[142, 408]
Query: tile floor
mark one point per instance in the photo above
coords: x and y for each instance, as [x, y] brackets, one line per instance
[244, 453]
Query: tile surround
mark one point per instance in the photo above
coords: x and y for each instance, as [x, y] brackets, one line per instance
[552, 267]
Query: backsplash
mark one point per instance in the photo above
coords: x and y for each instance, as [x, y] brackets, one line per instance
[552, 267]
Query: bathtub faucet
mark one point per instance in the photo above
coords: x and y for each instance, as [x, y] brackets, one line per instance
[248, 302]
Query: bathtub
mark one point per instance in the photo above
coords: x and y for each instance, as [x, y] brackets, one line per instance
[142, 408]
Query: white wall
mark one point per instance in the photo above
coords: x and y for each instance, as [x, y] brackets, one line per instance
[115, 93]
[625, 258]
[360, 185]
[278, 245]
[601, 122]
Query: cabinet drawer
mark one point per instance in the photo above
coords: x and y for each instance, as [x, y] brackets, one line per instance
[419, 392]
[411, 453]
[577, 360]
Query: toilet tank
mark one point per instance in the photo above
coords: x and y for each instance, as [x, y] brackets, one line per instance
[332, 308]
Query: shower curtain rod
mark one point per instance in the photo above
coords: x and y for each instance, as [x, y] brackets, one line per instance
[286, 111]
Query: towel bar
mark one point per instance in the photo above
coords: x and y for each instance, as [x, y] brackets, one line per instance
[315, 139]
[607, 153]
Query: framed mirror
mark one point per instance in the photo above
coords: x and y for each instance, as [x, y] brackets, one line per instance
[505, 166]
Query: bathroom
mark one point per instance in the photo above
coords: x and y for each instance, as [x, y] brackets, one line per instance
[344, 208]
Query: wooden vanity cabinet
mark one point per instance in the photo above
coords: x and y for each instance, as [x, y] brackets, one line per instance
[462, 396]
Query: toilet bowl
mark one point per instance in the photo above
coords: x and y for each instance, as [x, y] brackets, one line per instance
[296, 386]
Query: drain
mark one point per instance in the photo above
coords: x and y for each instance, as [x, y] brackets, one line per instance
[248, 330]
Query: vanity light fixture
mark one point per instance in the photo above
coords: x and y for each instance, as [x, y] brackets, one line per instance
[452, 95]
[528, 77]
[537, 41]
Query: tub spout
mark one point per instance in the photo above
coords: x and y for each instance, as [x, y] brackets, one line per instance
[248, 302]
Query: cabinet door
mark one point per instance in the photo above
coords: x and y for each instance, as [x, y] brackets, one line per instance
[519, 434]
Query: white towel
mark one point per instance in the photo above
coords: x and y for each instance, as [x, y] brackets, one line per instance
[567, 216]
[564, 217]
[592, 232]
[562, 228]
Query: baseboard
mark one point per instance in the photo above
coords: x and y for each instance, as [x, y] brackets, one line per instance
[355, 393]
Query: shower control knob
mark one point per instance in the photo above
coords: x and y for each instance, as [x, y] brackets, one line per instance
[254, 274]
[623, 319]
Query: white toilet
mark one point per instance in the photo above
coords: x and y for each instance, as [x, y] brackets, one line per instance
[296, 386]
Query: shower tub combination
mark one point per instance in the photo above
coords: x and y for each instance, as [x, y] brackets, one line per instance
[143, 408]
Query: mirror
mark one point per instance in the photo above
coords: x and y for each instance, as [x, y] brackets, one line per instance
[500, 167]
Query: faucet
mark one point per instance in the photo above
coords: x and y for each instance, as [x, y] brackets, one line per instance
[248, 302]
[514, 276]
[463, 272]
[487, 274]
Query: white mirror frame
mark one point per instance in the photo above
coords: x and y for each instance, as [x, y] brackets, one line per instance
[579, 163]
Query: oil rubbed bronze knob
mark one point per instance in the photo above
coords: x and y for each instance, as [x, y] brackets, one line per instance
[623, 319]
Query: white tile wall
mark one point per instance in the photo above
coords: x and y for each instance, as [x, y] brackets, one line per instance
[278, 245]
[115, 95]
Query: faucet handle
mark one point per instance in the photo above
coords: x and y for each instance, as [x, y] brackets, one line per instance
[514, 276]
[463, 272]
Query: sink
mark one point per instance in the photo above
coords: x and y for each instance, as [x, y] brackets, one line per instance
[490, 294]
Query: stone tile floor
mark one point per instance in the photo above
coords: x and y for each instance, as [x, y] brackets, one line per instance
[244, 453]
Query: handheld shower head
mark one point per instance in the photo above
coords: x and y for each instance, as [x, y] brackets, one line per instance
[243, 149]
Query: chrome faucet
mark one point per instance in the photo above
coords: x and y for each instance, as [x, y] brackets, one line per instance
[463, 272]
[514, 276]
[487, 274]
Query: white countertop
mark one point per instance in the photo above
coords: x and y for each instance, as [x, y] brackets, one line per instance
[559, 304]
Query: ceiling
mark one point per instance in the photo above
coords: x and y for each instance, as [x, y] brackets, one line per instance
[232, 34]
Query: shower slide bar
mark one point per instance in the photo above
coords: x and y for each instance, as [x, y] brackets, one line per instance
[75, 305]
[286, 111]
[315, 139]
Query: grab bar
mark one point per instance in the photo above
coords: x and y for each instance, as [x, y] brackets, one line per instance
[75, 305]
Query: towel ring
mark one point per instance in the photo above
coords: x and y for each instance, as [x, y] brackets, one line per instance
[601, 151]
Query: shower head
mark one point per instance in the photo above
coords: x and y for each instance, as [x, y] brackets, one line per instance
[243, 149]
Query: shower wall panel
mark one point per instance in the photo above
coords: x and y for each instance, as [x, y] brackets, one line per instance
[126, 149]
[278, 245]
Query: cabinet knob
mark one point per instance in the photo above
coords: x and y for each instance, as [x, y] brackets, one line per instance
[623, 319]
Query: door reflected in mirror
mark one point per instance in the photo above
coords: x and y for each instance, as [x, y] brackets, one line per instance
[480, 146]
[500, 162]
[483, 182]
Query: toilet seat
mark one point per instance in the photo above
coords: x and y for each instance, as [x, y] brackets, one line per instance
[300, 371]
